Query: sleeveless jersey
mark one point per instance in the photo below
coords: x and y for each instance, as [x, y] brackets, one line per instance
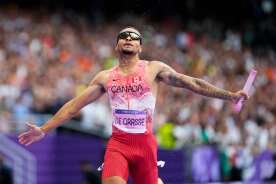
[131, 100]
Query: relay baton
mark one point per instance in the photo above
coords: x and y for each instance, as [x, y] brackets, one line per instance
[246, 88]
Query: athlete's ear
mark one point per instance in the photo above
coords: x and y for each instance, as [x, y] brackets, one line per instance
[116, 47]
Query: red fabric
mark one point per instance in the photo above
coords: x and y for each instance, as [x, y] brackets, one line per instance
[134, 154]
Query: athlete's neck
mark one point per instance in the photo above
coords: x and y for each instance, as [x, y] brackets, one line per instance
[127, 62]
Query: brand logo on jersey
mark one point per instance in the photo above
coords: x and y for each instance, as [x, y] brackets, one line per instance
[127, 88]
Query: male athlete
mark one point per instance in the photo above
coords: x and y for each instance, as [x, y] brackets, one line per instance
[132, 89]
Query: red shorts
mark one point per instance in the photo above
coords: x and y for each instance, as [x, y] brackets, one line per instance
[134, 154]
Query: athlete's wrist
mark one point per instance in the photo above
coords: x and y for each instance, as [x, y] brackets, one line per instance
[43, 130]
[233, 96]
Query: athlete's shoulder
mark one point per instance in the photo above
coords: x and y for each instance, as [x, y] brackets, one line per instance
[152, 62]
[102, 76]
[105, 73]
[157, 65]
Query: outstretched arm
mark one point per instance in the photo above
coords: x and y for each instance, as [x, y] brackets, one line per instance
[173, 78]
[71, 108]
[66, 112]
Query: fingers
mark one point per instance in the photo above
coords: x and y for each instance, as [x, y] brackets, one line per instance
[27, 142]
[30, 125]
[28, 137]
[26, 133]
[245, 95]
[25, 139]
[23, 135]
[239, 95]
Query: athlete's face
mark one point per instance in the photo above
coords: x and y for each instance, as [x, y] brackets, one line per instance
[129, 42]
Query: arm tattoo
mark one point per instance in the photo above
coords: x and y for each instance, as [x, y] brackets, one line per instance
[196, 85]
[207, 89]
[176, 80]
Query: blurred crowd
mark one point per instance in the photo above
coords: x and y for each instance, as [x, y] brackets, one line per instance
[47, 59]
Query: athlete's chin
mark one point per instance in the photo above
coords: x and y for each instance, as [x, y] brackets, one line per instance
[128, 52]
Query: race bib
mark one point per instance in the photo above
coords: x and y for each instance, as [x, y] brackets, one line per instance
[130, 121]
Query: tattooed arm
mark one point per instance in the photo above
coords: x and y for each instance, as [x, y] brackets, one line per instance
[169, 76]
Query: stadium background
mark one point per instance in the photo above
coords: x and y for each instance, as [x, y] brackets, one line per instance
[49, 51]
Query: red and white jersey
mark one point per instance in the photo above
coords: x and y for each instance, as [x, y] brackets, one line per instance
[131, 100]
